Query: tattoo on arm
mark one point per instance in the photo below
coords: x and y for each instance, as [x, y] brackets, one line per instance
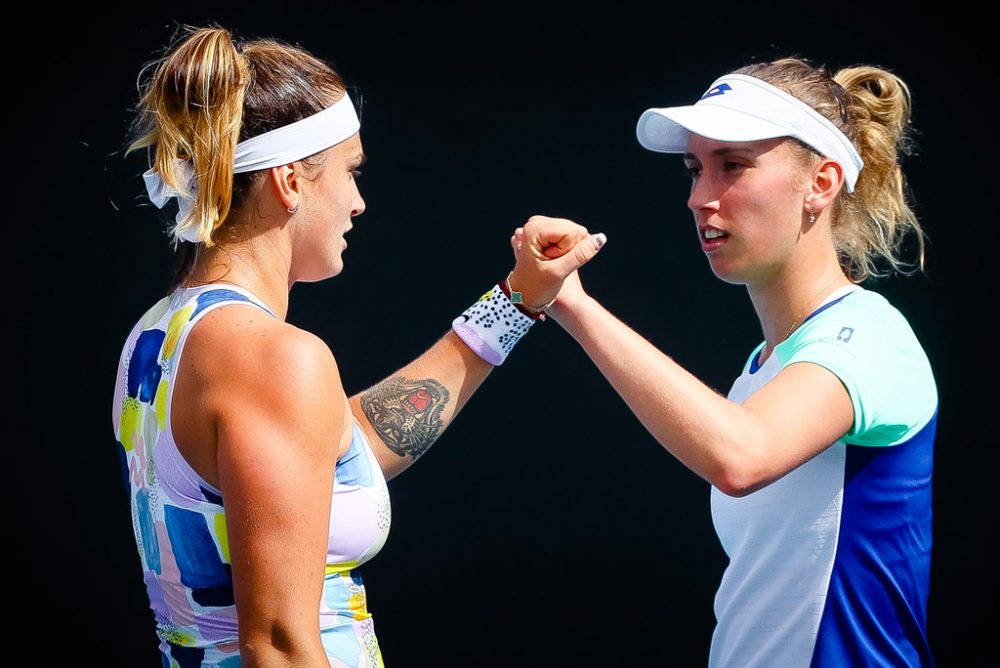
[406, 413]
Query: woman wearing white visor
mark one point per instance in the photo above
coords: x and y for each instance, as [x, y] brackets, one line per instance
[820, 458]
[257, 486]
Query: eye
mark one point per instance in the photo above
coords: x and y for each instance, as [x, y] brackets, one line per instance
[731, 166]
[355, 173]
[692, 171]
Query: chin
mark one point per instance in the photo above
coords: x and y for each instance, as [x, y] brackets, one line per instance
[336, 269]
[321, 274]
[727, 274]
[332, 273]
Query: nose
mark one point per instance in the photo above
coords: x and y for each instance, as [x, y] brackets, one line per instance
[704, 196]
[358, 205]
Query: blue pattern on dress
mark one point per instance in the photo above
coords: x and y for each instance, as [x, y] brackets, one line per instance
[143, 365]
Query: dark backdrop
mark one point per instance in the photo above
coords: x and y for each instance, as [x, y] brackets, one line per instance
[546, 527]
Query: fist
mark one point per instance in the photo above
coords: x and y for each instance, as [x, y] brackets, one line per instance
[548, 250]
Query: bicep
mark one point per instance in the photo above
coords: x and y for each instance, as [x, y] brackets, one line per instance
[402, 417]
[803, 410]
[277, 448]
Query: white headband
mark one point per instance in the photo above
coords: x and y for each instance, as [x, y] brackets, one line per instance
[740, 108]
[280, 146]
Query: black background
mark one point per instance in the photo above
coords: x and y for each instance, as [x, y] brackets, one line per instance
[546, 527]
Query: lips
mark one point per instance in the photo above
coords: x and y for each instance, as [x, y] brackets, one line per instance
[711, 237]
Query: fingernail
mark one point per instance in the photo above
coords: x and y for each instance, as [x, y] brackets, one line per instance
[599, 240]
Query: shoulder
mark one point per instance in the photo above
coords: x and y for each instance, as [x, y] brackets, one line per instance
[869, 345]
[861, 323]
[247, 358]
[275, 399]
[242, 333]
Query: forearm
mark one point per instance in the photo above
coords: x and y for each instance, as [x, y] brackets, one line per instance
[406, 413]
[708, 433]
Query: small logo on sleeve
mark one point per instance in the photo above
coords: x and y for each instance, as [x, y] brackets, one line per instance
[718, 90]
[845, 334]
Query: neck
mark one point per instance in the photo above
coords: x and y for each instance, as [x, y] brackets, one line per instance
[258, 264]
[784, 302]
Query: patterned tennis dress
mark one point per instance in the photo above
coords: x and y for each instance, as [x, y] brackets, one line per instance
[179, 519]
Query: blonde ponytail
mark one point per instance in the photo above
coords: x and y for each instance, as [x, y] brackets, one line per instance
[876, 218]
[192, 110]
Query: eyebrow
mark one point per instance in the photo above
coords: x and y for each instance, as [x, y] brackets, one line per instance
[725, 150]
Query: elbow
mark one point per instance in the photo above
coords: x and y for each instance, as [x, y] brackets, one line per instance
[735, 485]
[279, 645]
[261, 651]
[742, 457]
[738, 476]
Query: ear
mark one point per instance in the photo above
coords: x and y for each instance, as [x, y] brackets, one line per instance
[827, 180]
[286, 180]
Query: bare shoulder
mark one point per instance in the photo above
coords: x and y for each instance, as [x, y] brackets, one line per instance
[253, 373]
[247, 350]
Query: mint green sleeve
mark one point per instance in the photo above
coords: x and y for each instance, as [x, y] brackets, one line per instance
[871, 348]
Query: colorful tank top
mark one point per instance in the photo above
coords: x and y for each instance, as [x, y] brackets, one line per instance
[179, 519]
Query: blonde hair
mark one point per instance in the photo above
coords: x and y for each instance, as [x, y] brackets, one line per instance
[871, 106]
[208, 93]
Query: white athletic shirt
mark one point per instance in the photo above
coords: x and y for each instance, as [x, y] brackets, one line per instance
[829, 565]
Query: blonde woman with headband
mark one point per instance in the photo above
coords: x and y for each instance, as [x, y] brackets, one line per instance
[820, 458]
[257, 485]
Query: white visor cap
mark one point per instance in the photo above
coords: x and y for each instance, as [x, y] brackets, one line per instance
[741, 108]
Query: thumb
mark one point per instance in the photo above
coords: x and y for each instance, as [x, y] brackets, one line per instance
[581, 253]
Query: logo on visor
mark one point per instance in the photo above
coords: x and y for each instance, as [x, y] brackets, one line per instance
[718, 90]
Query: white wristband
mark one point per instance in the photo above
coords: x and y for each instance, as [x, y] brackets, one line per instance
[492, 326]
